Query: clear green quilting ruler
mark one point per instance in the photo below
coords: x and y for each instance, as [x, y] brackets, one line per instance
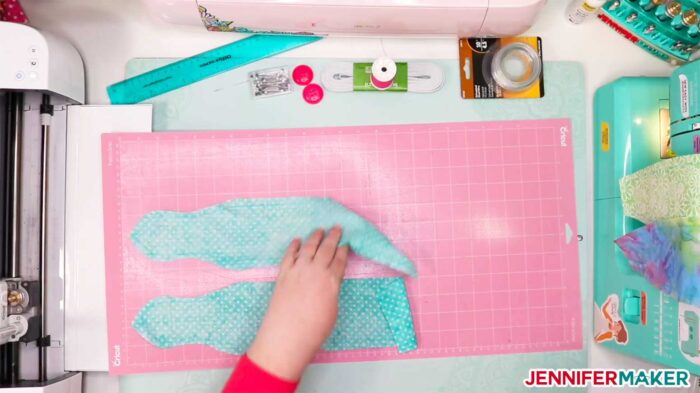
[202, 66]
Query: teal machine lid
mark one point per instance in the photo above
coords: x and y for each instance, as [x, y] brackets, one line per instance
[631, 127]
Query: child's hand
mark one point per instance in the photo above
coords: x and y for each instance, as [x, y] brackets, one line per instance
[304, 305]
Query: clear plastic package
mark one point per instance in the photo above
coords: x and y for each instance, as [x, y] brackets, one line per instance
[270, 82]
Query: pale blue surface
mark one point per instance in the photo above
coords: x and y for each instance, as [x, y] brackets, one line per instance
[373, 313]
[224, 103]
[248, 233]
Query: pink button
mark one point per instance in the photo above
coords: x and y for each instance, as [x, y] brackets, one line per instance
[313, 93]
[303, 75]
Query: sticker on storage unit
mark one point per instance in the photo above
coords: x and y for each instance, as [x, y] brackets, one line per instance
[685, 104]
[665, 134]
[605, 136]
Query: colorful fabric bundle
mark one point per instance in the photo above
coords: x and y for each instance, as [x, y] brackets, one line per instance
[667, 253]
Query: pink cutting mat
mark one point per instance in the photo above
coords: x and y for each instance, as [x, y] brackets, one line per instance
[485, 210]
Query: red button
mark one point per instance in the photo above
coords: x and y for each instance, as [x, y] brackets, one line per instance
[303, 75]
[313, 93]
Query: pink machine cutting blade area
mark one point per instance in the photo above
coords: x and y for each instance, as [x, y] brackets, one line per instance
[486, 211]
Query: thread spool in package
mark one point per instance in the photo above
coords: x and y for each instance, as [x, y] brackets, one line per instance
[383, 73]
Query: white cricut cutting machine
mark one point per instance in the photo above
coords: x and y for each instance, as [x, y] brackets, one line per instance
[40, 76]
[52, 282]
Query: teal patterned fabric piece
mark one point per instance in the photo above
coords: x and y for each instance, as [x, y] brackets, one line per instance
[393, 301]
[373, 313]
[248, 233]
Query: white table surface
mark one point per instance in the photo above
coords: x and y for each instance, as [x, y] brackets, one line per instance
[110, 32]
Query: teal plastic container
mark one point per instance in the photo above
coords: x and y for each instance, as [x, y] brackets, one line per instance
[630, 133]
[627, 116]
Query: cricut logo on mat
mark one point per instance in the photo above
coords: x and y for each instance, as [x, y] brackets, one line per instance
[563, 134]
[607, 377]
[117, 356]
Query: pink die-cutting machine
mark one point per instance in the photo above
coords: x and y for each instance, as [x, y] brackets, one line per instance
[382, 17]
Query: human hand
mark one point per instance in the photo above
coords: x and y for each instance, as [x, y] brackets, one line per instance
[304, 305]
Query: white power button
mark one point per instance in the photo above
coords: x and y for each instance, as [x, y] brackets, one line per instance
[19, 75]
[33, 75]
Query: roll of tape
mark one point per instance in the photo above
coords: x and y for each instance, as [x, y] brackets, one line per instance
[383, 73]
[516, 66]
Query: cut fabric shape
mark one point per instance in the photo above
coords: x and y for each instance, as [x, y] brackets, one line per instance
[667, 189]
[373, 313]
[248, 233]
[667, 253]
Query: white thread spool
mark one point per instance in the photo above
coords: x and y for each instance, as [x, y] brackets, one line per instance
[383, 73]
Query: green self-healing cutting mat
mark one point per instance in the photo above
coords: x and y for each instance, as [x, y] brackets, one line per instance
[224, 103]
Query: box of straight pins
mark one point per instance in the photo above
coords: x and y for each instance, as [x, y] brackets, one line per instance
[270, 82]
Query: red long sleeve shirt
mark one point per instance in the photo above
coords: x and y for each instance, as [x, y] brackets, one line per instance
[248, 377]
